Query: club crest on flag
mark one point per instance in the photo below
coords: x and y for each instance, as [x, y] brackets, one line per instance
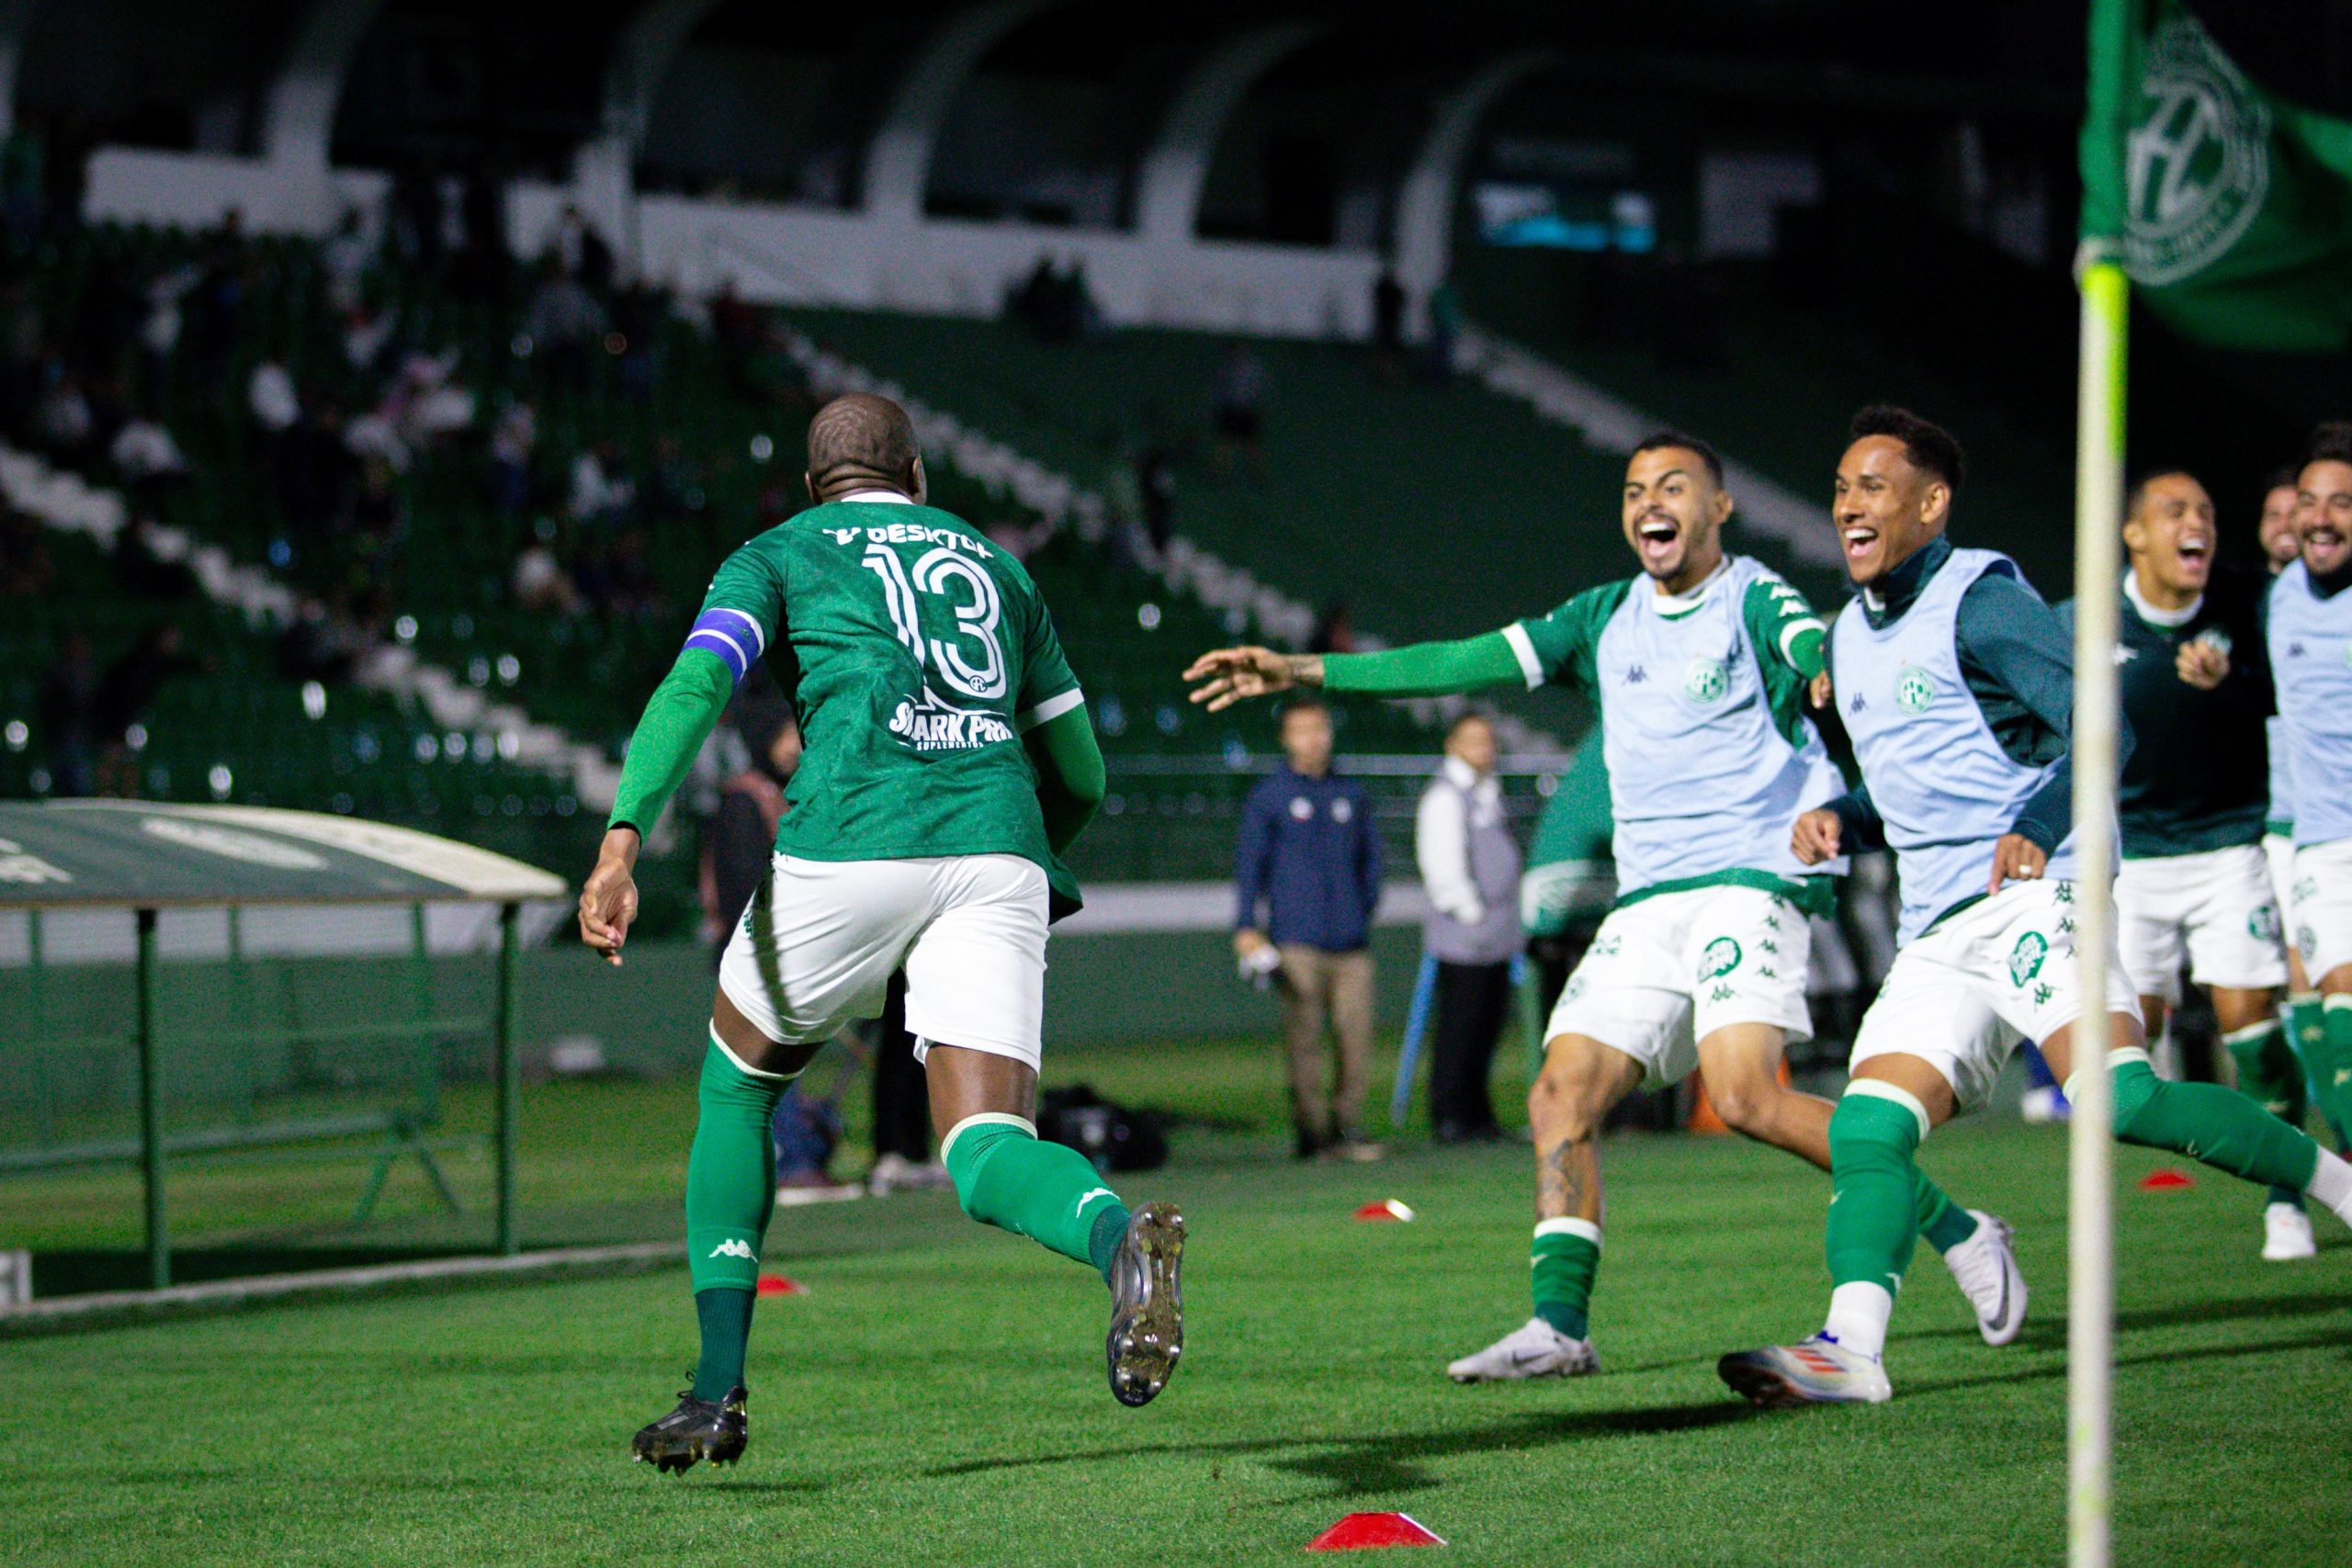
[2197, 160]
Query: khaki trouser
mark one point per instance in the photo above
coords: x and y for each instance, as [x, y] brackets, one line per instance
[1319, 987]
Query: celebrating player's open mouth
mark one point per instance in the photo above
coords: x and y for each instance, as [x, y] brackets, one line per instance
[1673, 521]
[2323, 516]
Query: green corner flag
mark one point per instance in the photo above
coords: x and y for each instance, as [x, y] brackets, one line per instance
[2234, 206]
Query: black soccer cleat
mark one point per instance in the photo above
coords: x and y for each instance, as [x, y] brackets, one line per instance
[697, 1429]
[1146, 1307]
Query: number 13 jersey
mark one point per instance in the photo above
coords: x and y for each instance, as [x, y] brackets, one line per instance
[923, 653]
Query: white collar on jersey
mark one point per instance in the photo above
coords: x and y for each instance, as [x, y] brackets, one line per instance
[889, 497]
[1690, 598]
[1464, 777]
[2152, 616]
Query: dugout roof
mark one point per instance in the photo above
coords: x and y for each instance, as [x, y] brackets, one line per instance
[146, 855]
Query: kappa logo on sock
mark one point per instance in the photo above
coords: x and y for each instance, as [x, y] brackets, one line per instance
[741, 1249]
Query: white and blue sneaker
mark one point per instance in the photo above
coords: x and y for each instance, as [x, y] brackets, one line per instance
[1985, 1268]
[1535, 1350]
[1817, 1370]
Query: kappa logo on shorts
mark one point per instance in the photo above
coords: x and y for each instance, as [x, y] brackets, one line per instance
[1720, 994]
[1721, 957]
[2042, 995]
[1607, 947]
[1575, 988]
[2305, 889]
[1915, 690]
[1704, 679]
[2306, 943]
[2025, 959]
[2264, 924]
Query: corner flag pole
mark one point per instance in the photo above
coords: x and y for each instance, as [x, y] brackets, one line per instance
[2099, 524]
[2090, 1282]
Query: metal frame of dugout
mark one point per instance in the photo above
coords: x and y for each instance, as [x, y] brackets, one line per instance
[146, 857]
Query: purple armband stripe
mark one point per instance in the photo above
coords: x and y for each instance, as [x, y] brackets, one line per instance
[720, 641]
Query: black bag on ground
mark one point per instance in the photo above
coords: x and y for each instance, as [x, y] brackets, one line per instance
[1112, 1136]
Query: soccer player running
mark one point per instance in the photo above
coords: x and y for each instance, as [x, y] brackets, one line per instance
[2193, 881]
[1956, 684]
[2282, 547]
[2311, 663]
[1700, 665]
[949, 762]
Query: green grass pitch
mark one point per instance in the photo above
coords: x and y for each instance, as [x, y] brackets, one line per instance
[937, 1396]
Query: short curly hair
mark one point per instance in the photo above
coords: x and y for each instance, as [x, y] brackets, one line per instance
[1929, 446]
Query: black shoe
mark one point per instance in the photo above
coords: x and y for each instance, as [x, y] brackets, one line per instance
[1146, 1307]
[698, 1428]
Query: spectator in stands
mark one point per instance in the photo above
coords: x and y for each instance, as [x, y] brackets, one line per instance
[602, 490]
[142, 569]
[1308, 879]
[269, 393]
[159, 329]
[1387, 323]
[1334, 630]
[512, 439]
[346, 260]
[147, 457]
[543, 584]
[220, 289]
[65, 711]
[367, 335]
[1469, 865]
[26, 566]
[1238, 407]
[578, 251]
[566, 325]
[323, 644]
[1445, 334]
[125, 693]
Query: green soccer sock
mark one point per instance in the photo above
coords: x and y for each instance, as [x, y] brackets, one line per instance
[730, 1196]
[2332, 1072]
[2209, 1123]
[1873, 1208]
[1566, 1260]
[1005, 1176]
[1943, 1224]
[2271, 1076]
[2307, 1037]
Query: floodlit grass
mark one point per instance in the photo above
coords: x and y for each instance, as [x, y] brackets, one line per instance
[938, 1397]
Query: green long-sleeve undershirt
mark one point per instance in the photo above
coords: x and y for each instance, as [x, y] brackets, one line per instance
[686, 707]
[1426, 669]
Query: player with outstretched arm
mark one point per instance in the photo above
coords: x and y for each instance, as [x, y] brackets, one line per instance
[949, 761]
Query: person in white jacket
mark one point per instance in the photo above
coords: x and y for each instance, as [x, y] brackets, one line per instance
[1470, 865]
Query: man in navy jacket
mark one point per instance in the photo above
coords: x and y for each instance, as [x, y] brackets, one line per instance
[1309, 876]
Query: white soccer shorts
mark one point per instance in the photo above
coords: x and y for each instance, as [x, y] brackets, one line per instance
[2215, 907]
[2320, 910]
[816, 950]
[1960, 997]
[1666, 972]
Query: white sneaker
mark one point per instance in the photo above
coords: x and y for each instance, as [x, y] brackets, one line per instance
[2287, 1234]
[1817, 1370]
[1985, 1268]
[1534, 1350]
[2044, 1104]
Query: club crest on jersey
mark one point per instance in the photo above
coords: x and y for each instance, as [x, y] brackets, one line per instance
[1721, 957]
[2025, 959]
[1704, 679]
[1915, 690]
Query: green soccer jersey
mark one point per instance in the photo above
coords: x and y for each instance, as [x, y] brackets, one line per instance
[923, 653]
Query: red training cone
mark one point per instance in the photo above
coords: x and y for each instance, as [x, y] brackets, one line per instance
[777, 1285]
[1385, 1209]
[1359, 1530]
[2167, 1181]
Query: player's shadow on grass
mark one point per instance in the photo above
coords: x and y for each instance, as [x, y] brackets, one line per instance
[2050, 1334]
[1393, 1462]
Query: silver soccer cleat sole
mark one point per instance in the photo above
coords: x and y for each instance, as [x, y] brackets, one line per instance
[1146, 1336]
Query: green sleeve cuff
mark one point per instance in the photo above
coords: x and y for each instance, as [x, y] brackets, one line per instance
[678, 717]
[1426, 669]
[1071, 779]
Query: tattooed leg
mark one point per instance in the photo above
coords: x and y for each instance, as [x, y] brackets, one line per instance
[1581, 1082]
